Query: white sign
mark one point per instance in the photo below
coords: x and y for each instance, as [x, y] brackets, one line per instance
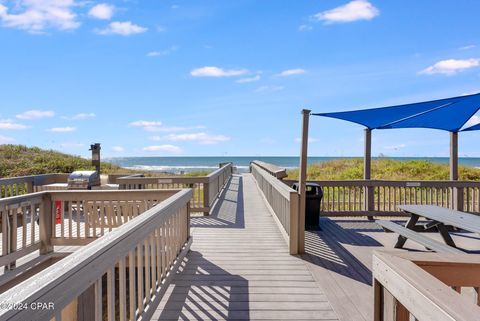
[413, 184]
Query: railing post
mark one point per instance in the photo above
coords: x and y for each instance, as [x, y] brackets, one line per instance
[46, 224]
[293, 235]
[369, 198]
[12, 238]
[30, 187]
[188, 220]
[206, 197]
[458, 198]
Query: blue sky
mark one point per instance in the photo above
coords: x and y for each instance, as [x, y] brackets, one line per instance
[163, 78]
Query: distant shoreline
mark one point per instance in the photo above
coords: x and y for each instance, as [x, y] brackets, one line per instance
[188, 164]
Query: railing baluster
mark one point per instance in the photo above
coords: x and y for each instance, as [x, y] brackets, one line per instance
[122, 290]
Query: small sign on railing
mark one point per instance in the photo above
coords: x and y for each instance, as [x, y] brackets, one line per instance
[165, 181]
[413, 184]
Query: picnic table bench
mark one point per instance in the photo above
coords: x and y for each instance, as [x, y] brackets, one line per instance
[439, 217]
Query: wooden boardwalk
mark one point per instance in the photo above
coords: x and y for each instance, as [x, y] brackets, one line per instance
[239, 267]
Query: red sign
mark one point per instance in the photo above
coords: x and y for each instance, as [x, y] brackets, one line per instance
[58, 212]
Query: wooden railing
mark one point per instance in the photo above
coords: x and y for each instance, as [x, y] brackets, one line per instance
[426, 286]
[115, 277]
[284, 202]
[205, 189]
[38, 221]
[381, 197]
[275, 171]
[28, 184]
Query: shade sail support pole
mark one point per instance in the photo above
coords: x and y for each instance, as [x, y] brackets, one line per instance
[454, 156]
[367, 159]
[367, 172]
[302, 181]
[457, 195]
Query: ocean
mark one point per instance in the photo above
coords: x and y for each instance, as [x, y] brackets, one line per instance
[177, 165]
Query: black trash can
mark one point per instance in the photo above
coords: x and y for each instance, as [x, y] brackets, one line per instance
[314, 194]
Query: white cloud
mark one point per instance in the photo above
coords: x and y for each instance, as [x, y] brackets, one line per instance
[352, 11]
[474, 120]
[169, 129]
[8, 124]
[62, 129]
[36, 114]
[80, 116]
[310, 140]
[162, 53]
[35, 16]
[395, 147]
[102, 11]
[248, 79]
[171, 149]
[467, 47]
[305, 28]
[291, 72]
[202, 138]
[450, 66]
[211, 71]
[157, 126]
[267, 88]
[118, 149]
[126, 28]
[145, 123]
[6, 139]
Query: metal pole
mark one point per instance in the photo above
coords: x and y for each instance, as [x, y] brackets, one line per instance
[302, 181]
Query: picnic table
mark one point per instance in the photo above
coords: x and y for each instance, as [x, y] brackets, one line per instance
[438, 217]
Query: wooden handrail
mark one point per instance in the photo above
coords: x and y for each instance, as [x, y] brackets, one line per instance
[156, 241]
[38, 221]
[205, 188]
[414, 285]
[284, 203]
[276, 171]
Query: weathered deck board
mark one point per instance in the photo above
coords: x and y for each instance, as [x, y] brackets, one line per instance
[239, 268]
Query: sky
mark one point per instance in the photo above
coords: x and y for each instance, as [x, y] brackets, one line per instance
[215, 78]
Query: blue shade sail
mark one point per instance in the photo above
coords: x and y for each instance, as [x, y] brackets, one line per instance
[448, 114]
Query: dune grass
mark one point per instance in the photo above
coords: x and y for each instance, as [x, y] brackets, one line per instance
[387, 169]
[19, 160]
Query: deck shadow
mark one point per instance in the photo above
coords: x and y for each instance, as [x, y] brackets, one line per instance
[326, 248]
[229, 211]
[202, 290]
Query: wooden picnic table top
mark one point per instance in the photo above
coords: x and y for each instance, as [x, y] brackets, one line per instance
[466, 221]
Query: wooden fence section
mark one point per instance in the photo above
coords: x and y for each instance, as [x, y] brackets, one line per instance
[38, 221]
[426, 286]
[381, 197]
[113, 278]
[205, 189]
[28, 184]
[284, 202]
